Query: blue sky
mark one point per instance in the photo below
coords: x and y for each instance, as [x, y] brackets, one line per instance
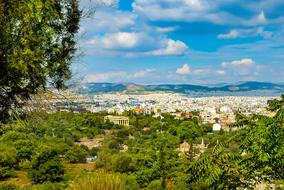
[182, 41]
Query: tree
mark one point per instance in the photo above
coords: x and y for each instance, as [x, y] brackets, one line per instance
[218, 170]
[263, 145]
[76, 154]
[123, 163]
[37, 45]
[46, 167]
[157, 159]
[8, 160]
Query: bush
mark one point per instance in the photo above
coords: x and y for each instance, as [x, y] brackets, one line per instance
[76, 154]
[46, 167]
[8, 156]
[8, 187]
[6, 172]
[123, 164]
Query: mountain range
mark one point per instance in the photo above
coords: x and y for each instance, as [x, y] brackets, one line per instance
[243, 88]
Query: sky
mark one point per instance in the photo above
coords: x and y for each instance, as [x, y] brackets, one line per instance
[181, 41]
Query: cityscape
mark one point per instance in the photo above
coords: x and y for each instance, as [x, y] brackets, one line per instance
[141, 94]
[223, 108]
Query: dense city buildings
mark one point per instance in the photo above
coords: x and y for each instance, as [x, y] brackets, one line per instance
[219, 110]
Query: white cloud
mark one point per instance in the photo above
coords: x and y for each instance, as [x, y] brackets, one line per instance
[202, 71]
[132, 44]
[241, 62]
[109, 20]
[258, 20]
[245, 33]
[118, 76]
[221, 72]
[105, 77]
[203, 10]
[106, 2]
[98, 3]
[142, 73]
[192, 11]
[166, 29]
[184, 70]
[172, 48]
[123, 41]
[261, 19]
[172, 10]
[241, 68]
[231, 35]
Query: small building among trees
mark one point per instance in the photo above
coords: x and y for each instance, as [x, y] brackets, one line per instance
[119, 120]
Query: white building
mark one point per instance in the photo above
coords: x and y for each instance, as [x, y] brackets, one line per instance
[217, 127]
[119, 120]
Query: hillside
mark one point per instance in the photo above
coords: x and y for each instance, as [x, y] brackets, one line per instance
[240, 88]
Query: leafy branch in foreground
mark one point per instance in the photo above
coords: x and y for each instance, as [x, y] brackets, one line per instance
[37, 45]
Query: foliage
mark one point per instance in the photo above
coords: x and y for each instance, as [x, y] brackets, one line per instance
[218, 170]
[8, 187]
[76, 154]
[37, 45]
[46, 166]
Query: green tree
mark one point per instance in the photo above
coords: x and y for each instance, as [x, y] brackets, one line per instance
[263, 145]
[76, 154]
[123, 163]
[37, 45]
[8, 160]
[217, 170]
[46, 167]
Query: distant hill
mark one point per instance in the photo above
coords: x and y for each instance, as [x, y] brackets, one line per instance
[227, 89]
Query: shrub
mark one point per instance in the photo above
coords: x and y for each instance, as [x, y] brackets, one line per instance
[46, 167]
[6, 172]
[76, 154]
[8, 187]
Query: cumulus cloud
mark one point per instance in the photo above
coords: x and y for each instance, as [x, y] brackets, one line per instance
[260, 19]
[245, 33]
[242, 67]
[184, 70]
[138, 44]
[132, 41]
[119, 40]
[245, 61]
[172, 48]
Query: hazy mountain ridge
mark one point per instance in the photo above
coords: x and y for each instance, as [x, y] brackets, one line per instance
[94, 88]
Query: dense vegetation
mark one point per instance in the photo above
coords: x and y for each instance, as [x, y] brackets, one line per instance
[143, 156]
